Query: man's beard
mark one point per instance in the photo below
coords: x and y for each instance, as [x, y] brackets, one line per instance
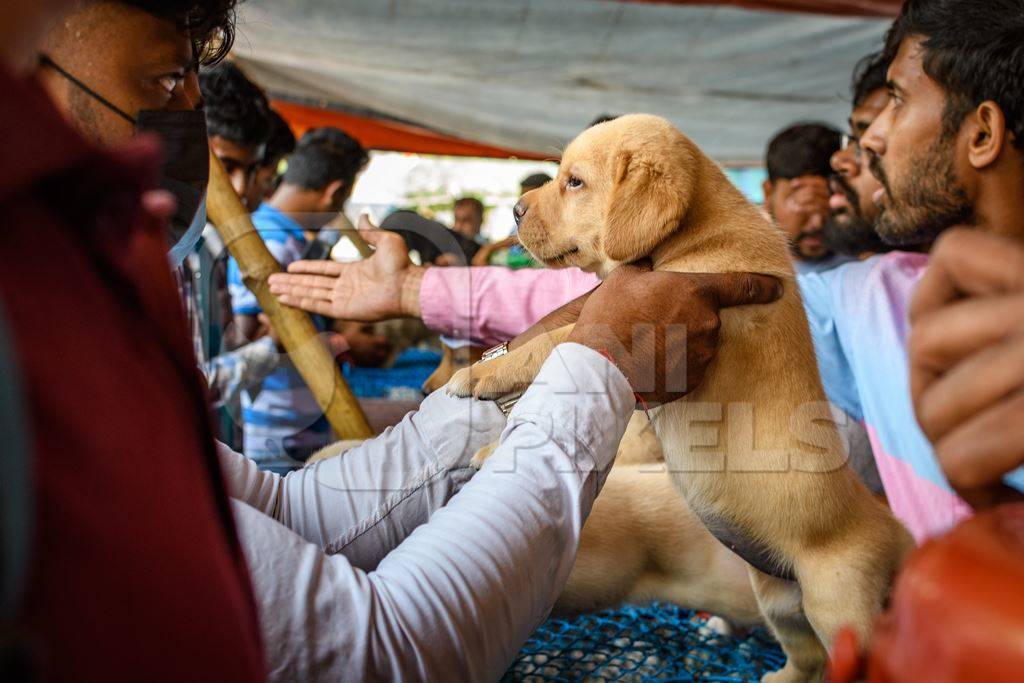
[932, 198]
[794, 247]
[853, 236]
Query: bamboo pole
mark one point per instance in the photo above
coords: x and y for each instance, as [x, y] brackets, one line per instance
[344, 226]
[294, 328]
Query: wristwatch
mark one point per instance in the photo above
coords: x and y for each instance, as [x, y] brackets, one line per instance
[505, 403]
[494, 352]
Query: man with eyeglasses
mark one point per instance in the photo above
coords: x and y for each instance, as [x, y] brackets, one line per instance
[850, 228]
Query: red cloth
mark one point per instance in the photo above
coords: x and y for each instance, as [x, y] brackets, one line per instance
[137, 573]
[956, 612]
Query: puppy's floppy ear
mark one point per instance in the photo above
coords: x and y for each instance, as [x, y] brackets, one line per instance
[648, 201]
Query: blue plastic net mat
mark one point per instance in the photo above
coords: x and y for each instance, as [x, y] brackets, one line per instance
[653, 643]
[401, 381]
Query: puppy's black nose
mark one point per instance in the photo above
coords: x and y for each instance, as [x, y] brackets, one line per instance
[519, 210]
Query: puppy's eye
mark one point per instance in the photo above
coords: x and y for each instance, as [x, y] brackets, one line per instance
[573, 182]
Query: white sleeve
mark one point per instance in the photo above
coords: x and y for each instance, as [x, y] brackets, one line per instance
[367, 501]
[460, 595]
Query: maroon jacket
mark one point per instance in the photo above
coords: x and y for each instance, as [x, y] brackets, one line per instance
[137, 571]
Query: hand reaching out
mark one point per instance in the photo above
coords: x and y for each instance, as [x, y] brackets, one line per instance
[385, 285]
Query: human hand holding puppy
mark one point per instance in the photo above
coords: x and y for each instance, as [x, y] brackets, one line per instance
[967, 361]
[659, 328]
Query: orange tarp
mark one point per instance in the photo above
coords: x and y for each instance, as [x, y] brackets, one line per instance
[389, 135]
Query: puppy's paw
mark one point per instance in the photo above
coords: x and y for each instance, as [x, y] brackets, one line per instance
[499, 384]
[502, 377]
[461, 383]
[494, 379]
[481, 455]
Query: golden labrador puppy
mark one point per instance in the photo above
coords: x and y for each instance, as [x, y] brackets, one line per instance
[753, 449]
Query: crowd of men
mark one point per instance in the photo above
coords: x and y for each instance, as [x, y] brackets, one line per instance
[136, 544]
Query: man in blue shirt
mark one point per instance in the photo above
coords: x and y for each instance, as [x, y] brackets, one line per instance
[283, 424]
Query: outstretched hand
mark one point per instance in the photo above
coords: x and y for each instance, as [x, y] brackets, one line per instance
[383, 286]
[661, 328]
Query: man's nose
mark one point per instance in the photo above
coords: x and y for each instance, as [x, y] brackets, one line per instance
[816, 221]
[519, 210]
[844, 163]
[872, 142]
[186, 96]
[240, 182]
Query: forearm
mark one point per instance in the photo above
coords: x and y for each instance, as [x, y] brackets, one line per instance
[244, 329]
[367, 501]
[229, 373]
[489, 304]
[457, 599]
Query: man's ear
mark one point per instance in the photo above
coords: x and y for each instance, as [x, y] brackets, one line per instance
[334, 195]
[648, 202]
[988, 135]
[768, 187]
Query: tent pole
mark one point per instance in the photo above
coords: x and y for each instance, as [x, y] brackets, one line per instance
[294, 328]
[344, 226]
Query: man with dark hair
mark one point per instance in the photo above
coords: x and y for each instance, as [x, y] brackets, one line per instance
[238, 123]
[282, 422]
[850, 228]
[177, 35]
[945, 54]
[469, 217]
[796, 191]
[532, 182]
[326, 162]
[280, 143]
[947, 151]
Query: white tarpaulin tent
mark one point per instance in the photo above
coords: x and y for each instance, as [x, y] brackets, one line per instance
[529, 75]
